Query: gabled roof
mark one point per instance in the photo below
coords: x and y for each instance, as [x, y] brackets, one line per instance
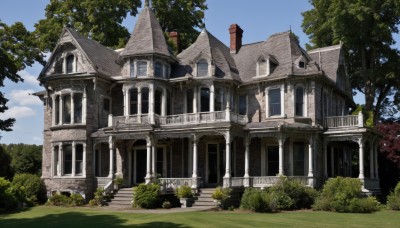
[147, 37]
[101, 58]
[207, 45]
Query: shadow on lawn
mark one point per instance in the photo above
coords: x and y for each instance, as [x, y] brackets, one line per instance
[76, 219]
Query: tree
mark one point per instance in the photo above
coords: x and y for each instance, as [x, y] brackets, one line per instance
[185, 16]
[17, 50]
[366, 29]
[25, 158]
[5, 164]
[102, 20]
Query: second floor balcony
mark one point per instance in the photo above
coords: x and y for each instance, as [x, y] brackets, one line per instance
[336, 122]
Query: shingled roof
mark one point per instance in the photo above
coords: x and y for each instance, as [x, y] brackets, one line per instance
[147, 37]
[207, 45]
[328, 58]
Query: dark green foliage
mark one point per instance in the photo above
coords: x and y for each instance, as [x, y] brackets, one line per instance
[64, 201]
[393, 200]
[99, 198]
[5, 164]
[25, 158]
[7, 198]
[146, 196]
[184, 191]
[256, 200]
[77, 200]
[29, 188]
[174, 201]
[344, 195]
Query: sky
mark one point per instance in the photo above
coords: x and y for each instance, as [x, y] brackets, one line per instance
[258, 18]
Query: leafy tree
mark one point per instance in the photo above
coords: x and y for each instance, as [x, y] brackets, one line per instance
[102, 20]
[366, 29]
[17, 50]
[5, 164]
[25, 158]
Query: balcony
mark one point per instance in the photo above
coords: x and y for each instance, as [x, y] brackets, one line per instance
[181, 119]
[344, 121]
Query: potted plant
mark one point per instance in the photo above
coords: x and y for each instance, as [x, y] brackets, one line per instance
[185, 195]
[220, 195]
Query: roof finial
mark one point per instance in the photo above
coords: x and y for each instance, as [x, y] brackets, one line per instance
[146, 3]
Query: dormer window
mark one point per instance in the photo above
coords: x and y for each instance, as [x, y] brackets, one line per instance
[142, 68]
[202, 68]
[302, 64]
[70, 64]
[158, 70]
[263, 67]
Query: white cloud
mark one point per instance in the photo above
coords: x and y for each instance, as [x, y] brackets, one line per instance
[24, 97]
[18, 112]
[29, 78]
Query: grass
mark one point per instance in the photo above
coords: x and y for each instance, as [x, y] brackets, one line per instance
[91, 217]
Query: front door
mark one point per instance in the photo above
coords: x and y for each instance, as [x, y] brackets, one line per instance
[138, 166]
[214, 163]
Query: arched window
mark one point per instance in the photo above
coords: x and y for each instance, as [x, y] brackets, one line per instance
[134, 102]
[145, 100]
[158, 70]
[299, 97]
[219, 99]
[202, 68]
[70, 64]
[204, 100]
[158, 101]
[142, 68]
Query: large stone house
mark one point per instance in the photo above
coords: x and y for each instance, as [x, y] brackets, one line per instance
[235, 116]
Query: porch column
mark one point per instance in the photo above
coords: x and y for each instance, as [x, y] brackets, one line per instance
[148, 161]
[72, 109]
[280, 141]
[194, 174]
[73, 158]
[153, 162]
[310, 157]
[84, 160]
[164, 102]
[361, 157]
[212, 99]
[111, 146]
[118, 159]
[84, 106]
[227, 176]
[371, 161]
[325, 159]
[195, 99]
[246, 182]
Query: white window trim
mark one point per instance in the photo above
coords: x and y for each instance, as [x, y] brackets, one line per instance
[59, 167]
[60, 95]
[282, 91]
[208, 67]
[137, 68]
[268, 68]
[74, 64]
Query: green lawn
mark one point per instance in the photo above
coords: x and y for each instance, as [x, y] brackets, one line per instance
[87, 217]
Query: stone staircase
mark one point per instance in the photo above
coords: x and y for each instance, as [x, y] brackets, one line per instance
[122, 199]
[204, 199]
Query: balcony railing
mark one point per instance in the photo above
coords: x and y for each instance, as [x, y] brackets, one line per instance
[344, 121]
[170, 184]
[181, 119]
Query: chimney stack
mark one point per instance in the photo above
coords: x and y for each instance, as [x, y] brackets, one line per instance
[176, 39]
[236, 34]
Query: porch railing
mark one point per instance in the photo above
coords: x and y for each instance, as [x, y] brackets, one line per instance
[170, 184]
[237, 181]
[263, 181]
[132, 119]
[344, 121]
[103, 181]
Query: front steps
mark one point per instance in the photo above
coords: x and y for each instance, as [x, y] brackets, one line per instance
[204, 199]
[123, 198]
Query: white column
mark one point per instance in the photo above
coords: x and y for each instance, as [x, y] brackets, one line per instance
[190, 157]
[151, 104]
[61, 109]
[246, 182]
[194, 174]
[153, 161]
[310, 157]
[371, 161]
[139, 101]
[84, 160]
[325, 159]
[164, 102]
[282, 100]
[84, 106]
[73, 158]
[125, 91]
[195, 99]
[281, 155]
[148, 162]
[361, 158]
[53, 110]
[111, 147]
[72, 109]
[60, 160]
[212, 98]
[228, 155]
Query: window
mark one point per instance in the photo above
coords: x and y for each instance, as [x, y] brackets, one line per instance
[134, 101]
[106, 105]
[142, 68]
[262, 67]
[298, 159]
[274, 96]
[243, 105]
[202, 68]
[145, 100]
[78, 108]
[67, 150]
[167, 71]
[56, 110]
[132, 69]
[189, 101]
[273, 160]
[56, 164]
[299, 97]
[67, 109]
[204, 100]
[79, 159]
[302, 64]
[70, 64]
[158, 70]
[157, 102]
[219, 99]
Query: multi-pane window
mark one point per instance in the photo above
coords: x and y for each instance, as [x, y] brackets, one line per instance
[132, 69]
[157, 102]
[142, 68]
[299, 95]
[158, 69]
[68, 109]
[78, 159]
[202, 68]
[243, 105]
[274, 96]
[78, 108]
[204, 100]
[71, 160]
[67, 150]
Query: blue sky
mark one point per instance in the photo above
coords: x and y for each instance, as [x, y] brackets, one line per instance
[258, 18]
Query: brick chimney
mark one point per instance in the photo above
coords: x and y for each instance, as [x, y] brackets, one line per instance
[236, 34]
[176, 39]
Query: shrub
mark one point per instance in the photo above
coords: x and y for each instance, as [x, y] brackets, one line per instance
[7, 198]
[256, 200]
[98, 199]
[29, 188]
[77, 200]
[59, 200]
[166, 205]
[393, 199]
[344, 195]
[119, 181]
[223, 195]
[184, 191]
[146, 196]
